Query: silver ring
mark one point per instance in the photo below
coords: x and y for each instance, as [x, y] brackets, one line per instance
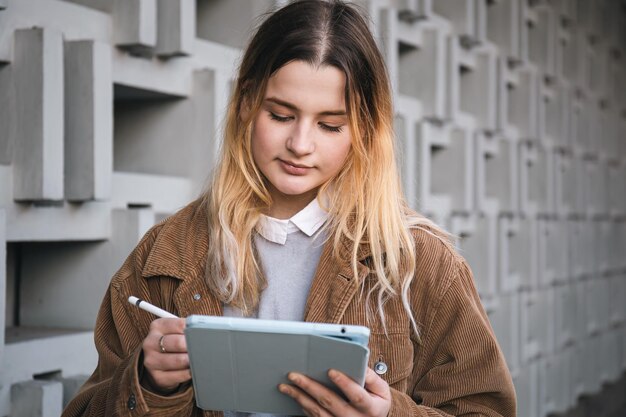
[161, 345]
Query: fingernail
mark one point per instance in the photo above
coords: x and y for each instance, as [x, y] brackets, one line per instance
[283, 388]
[333, 374]
[292, 377]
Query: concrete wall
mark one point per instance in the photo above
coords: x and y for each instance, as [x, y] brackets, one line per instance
[511, 120]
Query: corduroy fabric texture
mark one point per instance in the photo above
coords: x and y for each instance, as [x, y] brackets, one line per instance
[454, 368]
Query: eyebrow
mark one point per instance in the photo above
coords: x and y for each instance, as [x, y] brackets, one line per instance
[295, 108]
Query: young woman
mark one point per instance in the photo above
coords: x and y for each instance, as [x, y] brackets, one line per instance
[305, 220]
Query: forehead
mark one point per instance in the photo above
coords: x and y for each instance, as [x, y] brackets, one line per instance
[308, 87]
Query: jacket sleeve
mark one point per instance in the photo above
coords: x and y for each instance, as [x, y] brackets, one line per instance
[461, 370]
[114, 389]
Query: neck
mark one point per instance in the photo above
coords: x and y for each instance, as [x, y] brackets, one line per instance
[286, 206]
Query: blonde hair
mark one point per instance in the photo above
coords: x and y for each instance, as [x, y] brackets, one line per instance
[365, 200]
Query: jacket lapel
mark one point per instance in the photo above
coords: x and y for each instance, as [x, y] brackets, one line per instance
[333, 287]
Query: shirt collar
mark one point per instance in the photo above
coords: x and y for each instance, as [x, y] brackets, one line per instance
[308, 221]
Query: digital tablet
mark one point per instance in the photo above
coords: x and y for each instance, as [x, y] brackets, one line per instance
[238, 363]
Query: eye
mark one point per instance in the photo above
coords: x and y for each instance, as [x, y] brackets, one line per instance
[278, 118]
[334, 129]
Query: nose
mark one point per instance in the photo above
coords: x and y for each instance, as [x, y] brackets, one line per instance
[301, 141]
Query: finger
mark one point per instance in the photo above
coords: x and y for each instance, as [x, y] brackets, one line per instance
[358, 396]
[376, 385]
[172, 343]
[309, 405]
[166, 326]
[170, 379]
[167, 363]
[321, 395]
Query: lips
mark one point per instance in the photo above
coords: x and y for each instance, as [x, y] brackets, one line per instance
[293, 168]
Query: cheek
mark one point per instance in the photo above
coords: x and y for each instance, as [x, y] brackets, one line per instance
[260, 142]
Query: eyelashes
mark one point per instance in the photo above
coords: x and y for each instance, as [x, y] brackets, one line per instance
[323, 126]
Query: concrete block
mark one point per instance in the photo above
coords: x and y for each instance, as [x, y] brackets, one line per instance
[554, 113]
[37, 399]
[414, 10]
[229, 22]
[71, 385]
[4, 293]
[597, 306]
[565, 316]
[593, 365]
[88, 121]
[542, 37]
[523, 102]
[66, 353]
[408, 112]
[518, 265]
[38, 78]
[581, 311]
[496, 173]
[505, 28]
[82, 270]
[577, 370]
[176, 31]
[478, 85]
[576, 250]
[623, 347]
[8, 115]
[430, 138]
[548, 384]
[135, 25]
[596, 196]
[477, 244]
[565, 186]
[562, 391]
[537, 323]
[419, 63]
[468, 19]
[505, 320]
[536, 179]
[553, 255]
[617, 302]
[527, 390]
[162, 194]
[144, 128]
[102, 5]
[610, 356]
[450, 176]
[616, 190]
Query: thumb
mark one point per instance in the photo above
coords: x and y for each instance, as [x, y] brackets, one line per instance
[376, 385]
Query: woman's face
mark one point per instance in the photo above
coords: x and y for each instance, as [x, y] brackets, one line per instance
[300, 137]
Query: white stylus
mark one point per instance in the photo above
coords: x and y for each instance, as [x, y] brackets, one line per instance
[144, 305]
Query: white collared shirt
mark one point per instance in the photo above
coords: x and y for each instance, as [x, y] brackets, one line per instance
[308, 221]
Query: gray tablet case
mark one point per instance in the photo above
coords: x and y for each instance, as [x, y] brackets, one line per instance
[237, 364]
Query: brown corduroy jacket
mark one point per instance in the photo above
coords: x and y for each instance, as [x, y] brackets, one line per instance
[455, 366]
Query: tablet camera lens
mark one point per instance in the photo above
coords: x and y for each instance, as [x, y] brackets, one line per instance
[343, 330]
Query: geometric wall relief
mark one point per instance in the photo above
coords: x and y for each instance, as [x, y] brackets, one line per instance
[504, 315]
[478, 244]
[88, 140]
[518, 260]
[496, 174]
[505, 28]
[527, 390]
[511, 126]
[536, 187]
[445, 163]
[38, 79]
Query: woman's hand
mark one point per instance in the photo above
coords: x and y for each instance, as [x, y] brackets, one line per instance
[374, 400]
[165, 355]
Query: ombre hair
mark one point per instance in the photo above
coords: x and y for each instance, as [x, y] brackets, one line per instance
[365, 201]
